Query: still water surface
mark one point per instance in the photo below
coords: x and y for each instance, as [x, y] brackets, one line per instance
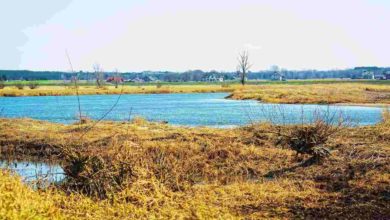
[196, 109]
[33, 171]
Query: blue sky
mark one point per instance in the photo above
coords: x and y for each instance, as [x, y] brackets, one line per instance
[179, 35]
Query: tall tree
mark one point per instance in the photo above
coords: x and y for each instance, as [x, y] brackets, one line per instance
[243, 66]
[117, 78]
[98, 71]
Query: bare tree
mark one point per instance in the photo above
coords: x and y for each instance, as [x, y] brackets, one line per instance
[117, 79]
[98, 71]
[243, 66]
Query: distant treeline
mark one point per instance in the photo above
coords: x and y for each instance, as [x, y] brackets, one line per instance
[199, 75]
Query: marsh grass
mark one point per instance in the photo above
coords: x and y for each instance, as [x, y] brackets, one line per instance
[347, 93]
[350, 93]
[90, 90]
[343, 93]
[145, 170]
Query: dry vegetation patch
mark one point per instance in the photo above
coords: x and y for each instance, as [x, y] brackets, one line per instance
[357, 93]
[144, 170]
[326, 93]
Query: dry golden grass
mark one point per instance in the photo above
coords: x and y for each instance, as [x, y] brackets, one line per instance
[148, 199]
[327, 93]
[17, 201]
[196, 173]
[358, 93]
[93, 90]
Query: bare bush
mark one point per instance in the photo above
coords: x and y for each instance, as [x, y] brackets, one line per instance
[309, 138]
[117, 79]
[98, 71]
[97, 176]
[2, 85]
[19, 86]
[82, 119]
[33, 85]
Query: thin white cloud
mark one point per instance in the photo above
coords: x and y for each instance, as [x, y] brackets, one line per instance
[249, 46]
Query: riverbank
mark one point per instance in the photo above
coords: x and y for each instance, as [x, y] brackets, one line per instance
[111, 90]
[357, 93]
[346, 93]
[158, 171]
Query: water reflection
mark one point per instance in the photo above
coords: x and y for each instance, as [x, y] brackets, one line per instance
[35, 172]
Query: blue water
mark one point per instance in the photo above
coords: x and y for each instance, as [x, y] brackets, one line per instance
[34, 171]
[205, 109]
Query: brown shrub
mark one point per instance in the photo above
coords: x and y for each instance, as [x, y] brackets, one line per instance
[19, 86]
[308, 139]
[33, 85]
[95, 175]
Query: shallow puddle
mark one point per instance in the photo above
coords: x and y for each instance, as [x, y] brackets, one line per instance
[34, 172]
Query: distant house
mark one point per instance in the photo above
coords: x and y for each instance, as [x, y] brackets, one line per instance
[278, 76]
[374, 73]
[115, 79]
[143, 79]
[213, 78]
[379, 76]
[382, 76]
[149, 79]
[368, 74]
[387, 75]
[136, 80]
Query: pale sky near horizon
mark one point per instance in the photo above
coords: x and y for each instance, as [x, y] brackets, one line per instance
[179, 35]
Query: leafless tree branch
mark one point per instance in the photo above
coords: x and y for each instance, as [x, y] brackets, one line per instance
[243, 66]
